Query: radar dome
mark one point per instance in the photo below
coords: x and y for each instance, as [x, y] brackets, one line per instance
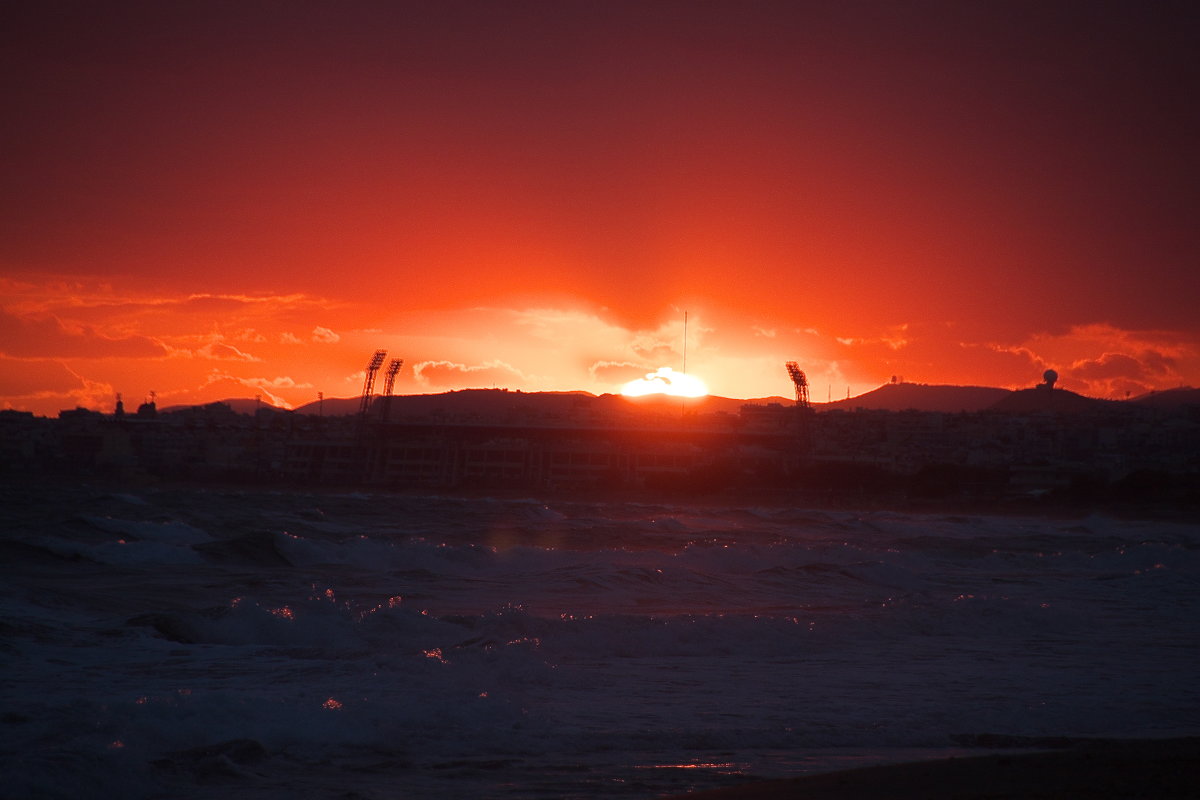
[1050, 376]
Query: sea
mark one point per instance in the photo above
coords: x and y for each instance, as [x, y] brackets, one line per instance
[215, 642]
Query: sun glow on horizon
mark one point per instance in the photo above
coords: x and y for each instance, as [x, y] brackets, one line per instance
[665, 380]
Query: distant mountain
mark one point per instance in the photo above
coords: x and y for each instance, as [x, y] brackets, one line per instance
[1043, 398]
[709, 404]
[490, 403]
[922, 397]
[501, 403]
[330, 407]
[1171, 398]
[240, 405]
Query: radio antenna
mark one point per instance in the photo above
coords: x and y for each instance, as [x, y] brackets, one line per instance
[685, 343]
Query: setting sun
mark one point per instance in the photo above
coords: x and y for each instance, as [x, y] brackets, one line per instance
[217, 205]
[666, 381]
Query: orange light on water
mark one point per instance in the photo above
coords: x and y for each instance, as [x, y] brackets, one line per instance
[726, 768]
[436, 654]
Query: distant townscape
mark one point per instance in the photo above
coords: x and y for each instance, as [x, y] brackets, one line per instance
[904, 445]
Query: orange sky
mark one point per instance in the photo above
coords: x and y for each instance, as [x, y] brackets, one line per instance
[218, 200]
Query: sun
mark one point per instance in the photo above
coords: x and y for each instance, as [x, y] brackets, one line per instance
[665, 380]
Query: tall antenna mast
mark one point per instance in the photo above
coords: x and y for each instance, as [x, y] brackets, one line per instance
[685, 343]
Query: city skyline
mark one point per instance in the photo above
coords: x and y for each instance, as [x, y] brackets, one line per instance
[213, 202]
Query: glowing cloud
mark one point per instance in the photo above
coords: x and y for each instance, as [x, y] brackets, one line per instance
[325, 335]
[665, 380]
[449, 373]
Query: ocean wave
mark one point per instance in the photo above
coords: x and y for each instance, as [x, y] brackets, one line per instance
[282, 644]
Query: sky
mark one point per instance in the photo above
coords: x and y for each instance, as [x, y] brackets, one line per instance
[229, 199]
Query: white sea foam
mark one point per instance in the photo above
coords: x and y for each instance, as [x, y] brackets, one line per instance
[452, 647]
[172, 532]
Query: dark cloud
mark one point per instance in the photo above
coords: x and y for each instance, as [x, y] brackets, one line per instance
[47, 337]
[1145, 367]
[657, 352]
[23, 378]
[211, 304]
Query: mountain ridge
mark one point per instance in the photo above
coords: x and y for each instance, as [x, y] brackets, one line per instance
[922, 397]
[944, 398]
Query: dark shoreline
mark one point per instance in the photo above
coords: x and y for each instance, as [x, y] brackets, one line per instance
[26, 487]
[1162, 769]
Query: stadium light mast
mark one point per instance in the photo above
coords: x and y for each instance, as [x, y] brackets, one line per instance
[804, 411]
[369, 381]
[800, 382]
[389, 385]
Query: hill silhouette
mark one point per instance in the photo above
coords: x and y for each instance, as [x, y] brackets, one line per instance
[923, 397]
[501, 403]
[491, 403]
[240, 405]
[1171, 398]
[1044, 399]
[709, 404]
[495, 404]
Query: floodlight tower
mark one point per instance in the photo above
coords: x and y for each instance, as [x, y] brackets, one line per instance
[389, 384]
[369, 381]
[800, 382]
[804, 411]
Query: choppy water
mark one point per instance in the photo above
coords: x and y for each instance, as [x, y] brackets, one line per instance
[274, 645]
